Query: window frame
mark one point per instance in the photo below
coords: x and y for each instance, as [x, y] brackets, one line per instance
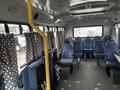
[88, 26]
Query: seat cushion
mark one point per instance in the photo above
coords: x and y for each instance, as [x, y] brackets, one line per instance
[66, 62]
[99, 55]
[112, 64]
[76, 55]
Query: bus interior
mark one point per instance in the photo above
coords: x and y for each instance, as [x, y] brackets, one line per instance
[60, 45]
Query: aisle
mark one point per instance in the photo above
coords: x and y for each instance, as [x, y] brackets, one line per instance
[89, 77]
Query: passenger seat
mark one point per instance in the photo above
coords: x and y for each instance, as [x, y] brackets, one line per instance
[111, 62]
[99, 52]
[67, 61]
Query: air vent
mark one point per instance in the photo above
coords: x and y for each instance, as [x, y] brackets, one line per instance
[100, 5]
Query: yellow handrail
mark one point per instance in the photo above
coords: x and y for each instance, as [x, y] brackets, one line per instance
[29, 7]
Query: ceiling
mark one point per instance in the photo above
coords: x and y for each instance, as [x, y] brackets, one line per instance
[68, 10]
[64, 11]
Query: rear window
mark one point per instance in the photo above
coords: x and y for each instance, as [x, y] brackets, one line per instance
[91, 31]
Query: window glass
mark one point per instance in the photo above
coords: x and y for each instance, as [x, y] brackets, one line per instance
[41, 28]
[46, 30]
[25, 29]
[13, 28]
[2, 29]
[91, 31]
[55, 32]
[51, 29]
[116, 37]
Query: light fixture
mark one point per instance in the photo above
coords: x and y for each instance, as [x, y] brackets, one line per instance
[88, 10]
[74, 2]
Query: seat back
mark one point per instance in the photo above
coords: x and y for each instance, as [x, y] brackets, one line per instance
[71, 40]
[87, 44]
[94, 41]
[67, 52]
[106, 39]
[77, 46]
[99, 47]
[29, 75]
[111, 49]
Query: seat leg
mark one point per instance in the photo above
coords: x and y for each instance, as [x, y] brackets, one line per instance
[90, 55]
[71, 68]
[78, 63]
[98, 63]
[108, 71]
[84, 55]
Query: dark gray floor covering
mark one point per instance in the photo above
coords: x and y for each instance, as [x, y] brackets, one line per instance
[89, 77]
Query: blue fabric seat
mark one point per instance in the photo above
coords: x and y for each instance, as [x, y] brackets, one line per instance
[87, 45]
[113, 64]
[71, 40]
[106, 39]
[77, 48]
[29, 77]
[99, 51]
[66, 61]
[111, 61]
[67, 55]
[94, 41]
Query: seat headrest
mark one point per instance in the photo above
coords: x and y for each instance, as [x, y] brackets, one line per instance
[107, 38]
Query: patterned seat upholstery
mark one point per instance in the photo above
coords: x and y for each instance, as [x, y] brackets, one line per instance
[8, 61]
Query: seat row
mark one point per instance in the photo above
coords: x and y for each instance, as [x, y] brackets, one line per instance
[33, 75]
[103, 49]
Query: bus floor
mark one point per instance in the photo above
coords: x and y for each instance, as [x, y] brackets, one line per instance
[89, 77]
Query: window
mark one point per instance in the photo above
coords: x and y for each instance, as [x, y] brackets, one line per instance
[116, 34]
[14, 29]
[25, 29]
[41, 28]
[91, 31]
[2, 29]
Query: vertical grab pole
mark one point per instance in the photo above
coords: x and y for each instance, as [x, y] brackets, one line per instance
[47, 70]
